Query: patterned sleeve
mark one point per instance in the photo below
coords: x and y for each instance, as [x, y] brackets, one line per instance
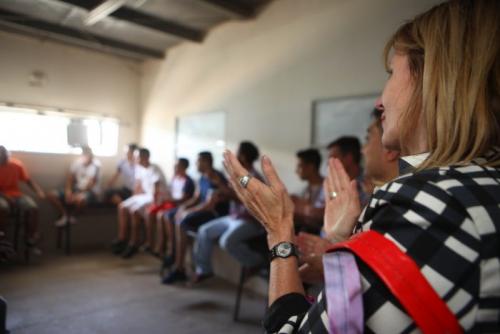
[434, 229]
[292, 313]
[427, 223]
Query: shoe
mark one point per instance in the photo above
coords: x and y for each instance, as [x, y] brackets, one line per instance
[168, 261]
[174, 276]
[7, 251]
[130, 251]
[61, 222]
[33, 248]
[36, 251]
[198, 278]
[118, 246]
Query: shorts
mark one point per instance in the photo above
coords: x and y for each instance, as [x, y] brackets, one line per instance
[89, 196]
[122, 192]
[137, 203]
[165, 206]
[170, 214]
[23, 202]
[194, 220]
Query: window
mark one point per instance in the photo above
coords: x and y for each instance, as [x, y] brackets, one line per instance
[23, 129]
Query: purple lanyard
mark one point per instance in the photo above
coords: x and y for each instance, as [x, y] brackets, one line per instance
[343, 293]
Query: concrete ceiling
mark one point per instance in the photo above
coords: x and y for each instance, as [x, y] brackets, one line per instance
[140, 29]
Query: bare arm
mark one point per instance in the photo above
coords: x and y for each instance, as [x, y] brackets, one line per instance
[68, 188]
[36, 188]
[90, 184]
[114, 178]
[193, 200]
[272, 206]
[284, 276]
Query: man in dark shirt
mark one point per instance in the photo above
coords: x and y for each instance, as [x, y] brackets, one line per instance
[231, 230]
[209, 202]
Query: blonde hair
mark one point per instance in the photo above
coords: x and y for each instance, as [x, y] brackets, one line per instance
[453, 55]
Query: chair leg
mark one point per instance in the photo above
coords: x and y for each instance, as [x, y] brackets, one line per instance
[3, 316]
[238, 294]
[17, 229]
[27, 246]
[59, 237]
[67, 228]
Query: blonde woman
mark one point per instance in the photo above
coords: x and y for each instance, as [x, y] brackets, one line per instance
[441, 109]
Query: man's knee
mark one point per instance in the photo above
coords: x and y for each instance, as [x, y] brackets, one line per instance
[227, 242]
[4, 206]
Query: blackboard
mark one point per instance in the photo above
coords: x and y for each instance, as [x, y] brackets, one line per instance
[201, 132]
[336, 117]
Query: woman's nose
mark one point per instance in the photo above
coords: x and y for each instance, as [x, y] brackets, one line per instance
[378, 104]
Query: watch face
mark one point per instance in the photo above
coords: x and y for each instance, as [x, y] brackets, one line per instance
[284, 249]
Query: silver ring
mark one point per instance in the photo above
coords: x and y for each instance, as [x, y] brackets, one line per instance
[244, 180]
[333, 195]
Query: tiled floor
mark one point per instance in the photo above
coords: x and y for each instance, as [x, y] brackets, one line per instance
[99, 293]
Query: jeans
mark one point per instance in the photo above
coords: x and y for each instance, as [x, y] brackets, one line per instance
[232, 233]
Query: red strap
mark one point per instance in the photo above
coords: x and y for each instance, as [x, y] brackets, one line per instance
[403, 278]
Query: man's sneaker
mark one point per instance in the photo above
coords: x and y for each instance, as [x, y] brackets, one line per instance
[130, 251]
[61, 222]
[118, 246]
[7, 251]
[198, 278]
[174, 276]
[33, 248]
[150, 251]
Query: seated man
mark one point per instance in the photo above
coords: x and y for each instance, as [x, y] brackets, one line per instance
[81, 188]
[309, 205]
[150, 187]
[182, 189]
[348, 150]
[12, 172]
[381, 166]
[233, 230]
[209, 202]
[125, 170]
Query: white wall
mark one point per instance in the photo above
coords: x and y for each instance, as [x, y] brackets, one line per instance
[76, 79]
[265, 73]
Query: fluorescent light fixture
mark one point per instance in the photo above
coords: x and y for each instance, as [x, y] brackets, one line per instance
[103, 10]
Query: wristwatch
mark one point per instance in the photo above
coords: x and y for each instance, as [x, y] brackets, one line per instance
[283, 249]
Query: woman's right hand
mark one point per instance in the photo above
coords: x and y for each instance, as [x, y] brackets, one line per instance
[270, 204]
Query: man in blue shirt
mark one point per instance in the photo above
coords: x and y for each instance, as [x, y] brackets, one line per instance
[209, 202]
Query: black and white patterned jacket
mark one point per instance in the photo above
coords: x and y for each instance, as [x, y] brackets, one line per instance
[448, 221]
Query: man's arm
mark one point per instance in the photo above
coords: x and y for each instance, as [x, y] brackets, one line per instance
[36, 188]
[114, 178]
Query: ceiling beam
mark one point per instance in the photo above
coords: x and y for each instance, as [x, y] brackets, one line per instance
[145, 20]
[82, 37]
[234, 7]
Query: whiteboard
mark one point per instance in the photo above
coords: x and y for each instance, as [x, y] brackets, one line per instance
[347, 116]
[201, 132]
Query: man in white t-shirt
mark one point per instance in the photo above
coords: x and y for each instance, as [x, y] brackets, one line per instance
[81, 188]
[150, 187]
[125, 171]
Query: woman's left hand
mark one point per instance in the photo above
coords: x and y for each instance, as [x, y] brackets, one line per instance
[342, 206]
[270, 204]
